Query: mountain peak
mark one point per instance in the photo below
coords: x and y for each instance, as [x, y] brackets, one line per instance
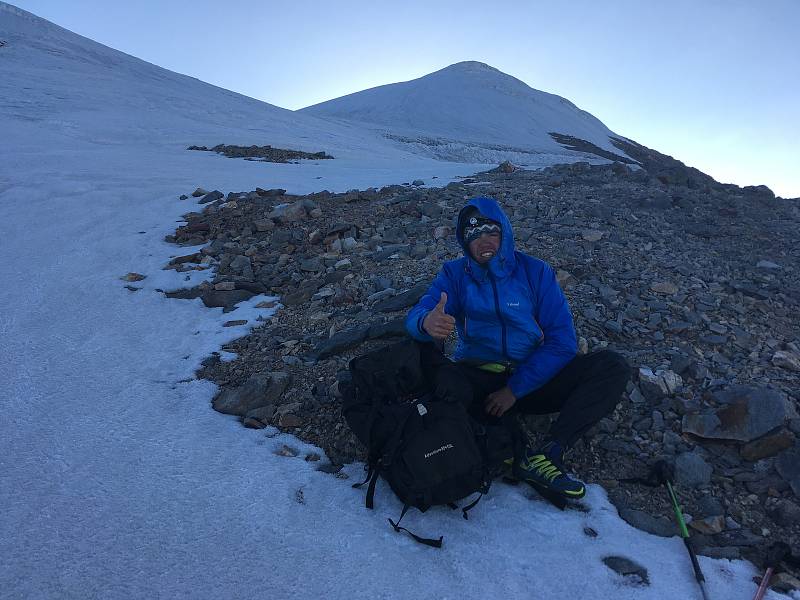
[471, 104]
[471, 65]
[474, 70]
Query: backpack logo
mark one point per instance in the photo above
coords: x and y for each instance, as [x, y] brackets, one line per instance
[512, 303]
[438, 450]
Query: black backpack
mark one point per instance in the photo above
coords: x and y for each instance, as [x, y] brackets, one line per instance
[430, 451]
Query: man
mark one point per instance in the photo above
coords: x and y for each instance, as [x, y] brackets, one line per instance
[517, 349]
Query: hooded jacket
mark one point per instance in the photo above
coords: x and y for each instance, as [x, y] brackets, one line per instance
[510, 310]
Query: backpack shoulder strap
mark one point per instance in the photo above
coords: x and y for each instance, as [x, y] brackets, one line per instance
[372, 478]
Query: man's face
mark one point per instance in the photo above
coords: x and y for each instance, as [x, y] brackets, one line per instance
[485, 247]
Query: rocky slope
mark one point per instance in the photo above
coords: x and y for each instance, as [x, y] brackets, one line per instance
[695, 282]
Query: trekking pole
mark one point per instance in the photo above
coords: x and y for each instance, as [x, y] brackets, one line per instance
[775, 554]
[661, 470]
[698, 574]
[762, 588]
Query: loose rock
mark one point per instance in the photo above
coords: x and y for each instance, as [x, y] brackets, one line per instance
[629, 569]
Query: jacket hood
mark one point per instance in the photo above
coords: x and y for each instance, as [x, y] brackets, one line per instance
[502, 264]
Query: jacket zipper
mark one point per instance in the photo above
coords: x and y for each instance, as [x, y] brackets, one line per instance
[499, 316]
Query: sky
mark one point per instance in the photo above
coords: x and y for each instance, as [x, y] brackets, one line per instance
[712, 83]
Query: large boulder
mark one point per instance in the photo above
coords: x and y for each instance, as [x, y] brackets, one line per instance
[289, 213]
[262, 389]
[341, 341]
[210, 197]
[402, 301]
[745, 413]
[768, 445]
[226, 299]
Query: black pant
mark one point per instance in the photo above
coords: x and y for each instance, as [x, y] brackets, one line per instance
[583, 392]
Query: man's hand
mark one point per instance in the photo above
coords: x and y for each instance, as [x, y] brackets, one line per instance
[497, 403]
[438, 323]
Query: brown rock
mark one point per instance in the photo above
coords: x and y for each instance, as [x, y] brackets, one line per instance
[133, 277]
[289, 213]
[664, 287]
[767, 446]
[289, 420]
[197, 226]
[745, 414]
[298, 297]
[271, 192]
[264, 225]
[709, 525]
[179, 260]
[225, 299]
[262, 413]
[235, 323]
[285, 415]
[785, 583]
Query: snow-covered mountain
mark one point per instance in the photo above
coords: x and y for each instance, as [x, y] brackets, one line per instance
[470, 109]
[68, 85]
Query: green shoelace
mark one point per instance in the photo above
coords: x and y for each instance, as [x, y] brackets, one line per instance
[542, 465]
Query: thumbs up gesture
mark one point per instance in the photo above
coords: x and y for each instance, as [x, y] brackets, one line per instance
[438, 323]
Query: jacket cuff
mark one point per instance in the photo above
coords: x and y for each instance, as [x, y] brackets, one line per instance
[420, 329]
[517, 389]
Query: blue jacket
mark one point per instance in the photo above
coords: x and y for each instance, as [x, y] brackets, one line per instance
[511, 310]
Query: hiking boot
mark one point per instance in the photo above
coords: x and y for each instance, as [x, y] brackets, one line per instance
[543, 469]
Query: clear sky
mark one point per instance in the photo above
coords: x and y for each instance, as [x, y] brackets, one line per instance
[715, 83]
